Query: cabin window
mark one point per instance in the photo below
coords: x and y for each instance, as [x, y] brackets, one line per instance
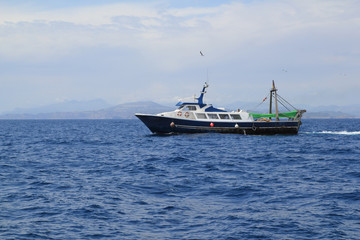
[235, 116]
[213, 116]
[190, 108]
[224, 116]
[201, 115]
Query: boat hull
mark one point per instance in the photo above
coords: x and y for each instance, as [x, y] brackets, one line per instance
[166, 125]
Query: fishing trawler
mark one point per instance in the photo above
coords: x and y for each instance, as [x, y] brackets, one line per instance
[199, 117]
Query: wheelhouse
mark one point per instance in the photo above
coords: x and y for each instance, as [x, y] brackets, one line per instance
[201, 111]
[189, 107]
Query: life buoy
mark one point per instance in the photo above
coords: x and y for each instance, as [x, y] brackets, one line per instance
[179, 113]
[187, 114]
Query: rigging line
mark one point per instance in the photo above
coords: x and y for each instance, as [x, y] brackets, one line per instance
[261, 102]
[287, 102]
[280, 101]
[287, 106]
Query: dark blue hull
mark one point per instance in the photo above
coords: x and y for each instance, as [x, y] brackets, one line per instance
[165, 125]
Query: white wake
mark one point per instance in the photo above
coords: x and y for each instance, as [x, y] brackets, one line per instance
[339, 132]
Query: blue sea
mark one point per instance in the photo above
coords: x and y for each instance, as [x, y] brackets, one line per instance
[113, 179]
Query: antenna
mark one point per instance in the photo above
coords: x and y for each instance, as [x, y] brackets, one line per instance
[207, 68]
[207, 75]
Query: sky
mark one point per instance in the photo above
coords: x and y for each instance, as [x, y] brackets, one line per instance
[126, 51]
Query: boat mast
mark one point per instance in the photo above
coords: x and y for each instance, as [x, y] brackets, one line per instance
[200, 99]
[270, 106]
[273, 92]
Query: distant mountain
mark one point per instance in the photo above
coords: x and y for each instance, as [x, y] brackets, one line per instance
[327, 114]
[66, 106]
[353, 110]
[248, 106]
[127, 111]
[331, 111]
[121, 111]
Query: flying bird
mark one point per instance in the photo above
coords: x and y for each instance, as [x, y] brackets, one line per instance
[201, 54]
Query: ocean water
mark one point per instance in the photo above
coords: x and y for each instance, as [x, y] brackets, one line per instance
[113, 179]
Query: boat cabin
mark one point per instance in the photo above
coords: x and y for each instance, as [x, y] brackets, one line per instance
[196, 111]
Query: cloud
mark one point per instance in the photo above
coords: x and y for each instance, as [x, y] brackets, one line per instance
[226, 27]
[246, 42]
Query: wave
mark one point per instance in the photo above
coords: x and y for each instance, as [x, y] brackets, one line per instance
[338, 132]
